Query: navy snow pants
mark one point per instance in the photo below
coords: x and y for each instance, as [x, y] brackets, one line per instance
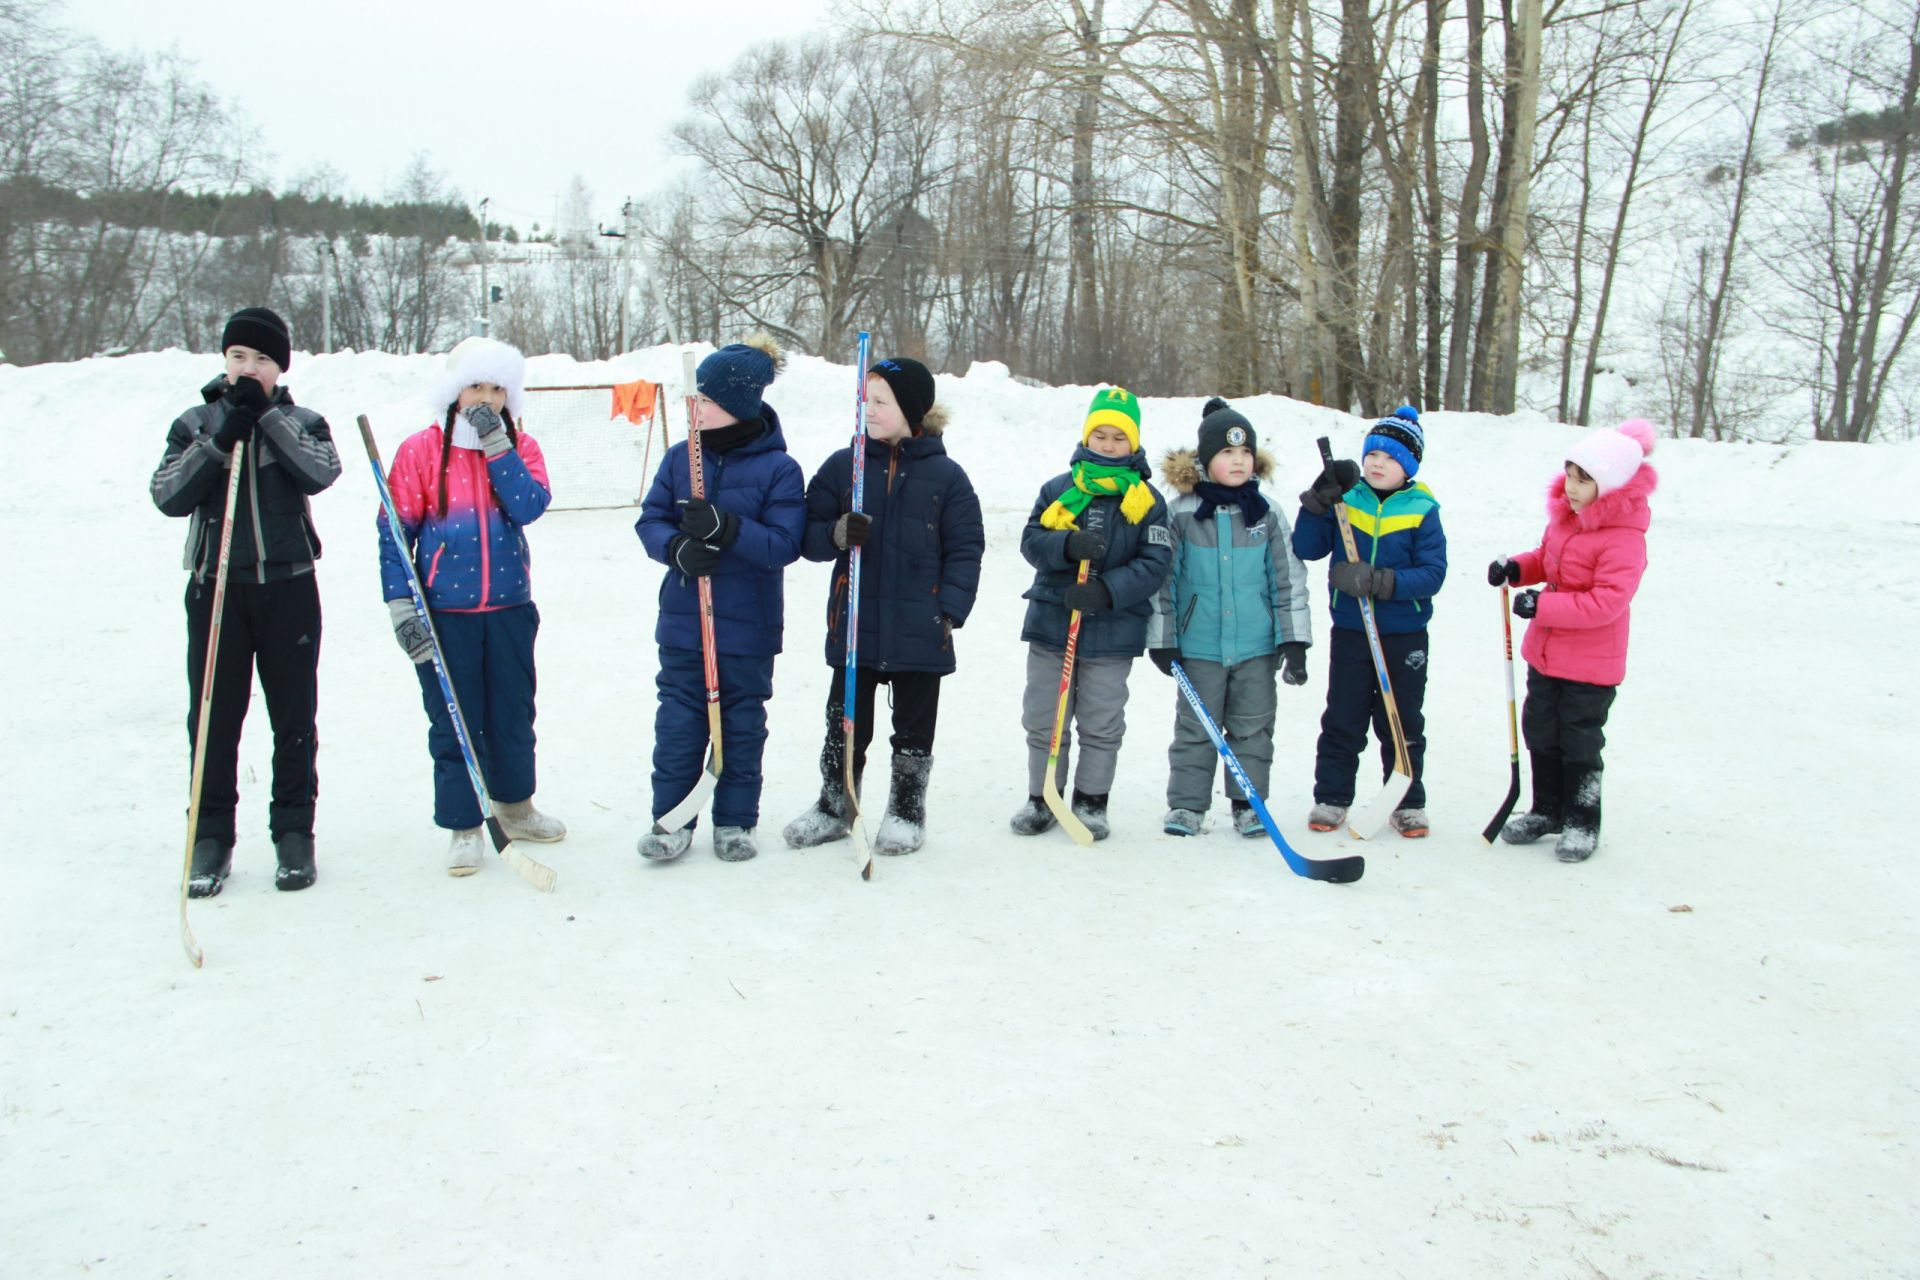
[680, 732]
[490, 658]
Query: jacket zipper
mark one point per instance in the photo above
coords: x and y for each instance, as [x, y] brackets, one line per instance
[253, 495]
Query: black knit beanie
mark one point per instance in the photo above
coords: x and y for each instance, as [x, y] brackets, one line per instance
[911, 384]
[262, 330]
[1220, 427]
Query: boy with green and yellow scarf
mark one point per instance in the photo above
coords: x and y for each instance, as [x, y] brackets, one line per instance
[1103, 511]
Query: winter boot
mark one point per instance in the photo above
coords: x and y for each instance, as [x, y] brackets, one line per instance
[466, 852]
[831, 817]
[295, 851]
[1411, 823]
[1582, 834]
[1033, 818]
[1326, 817]
[665, 848]
[1183, 822]
[212, 862]
[1544, 818]
[904, 829]
[1246, 821]
[524, 822]
[1092, 810]
[734, 844]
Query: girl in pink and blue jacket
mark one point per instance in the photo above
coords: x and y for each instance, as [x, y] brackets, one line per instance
[466, 488]
[1590, 561]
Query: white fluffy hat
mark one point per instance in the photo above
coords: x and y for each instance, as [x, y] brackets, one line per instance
[481, 360]
[1611, 457]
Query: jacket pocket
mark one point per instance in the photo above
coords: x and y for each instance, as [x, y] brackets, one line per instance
[1186, 615]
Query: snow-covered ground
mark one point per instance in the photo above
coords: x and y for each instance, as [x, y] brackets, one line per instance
[1693, 1056]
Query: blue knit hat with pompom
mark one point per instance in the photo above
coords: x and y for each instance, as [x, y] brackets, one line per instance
[1399, 437]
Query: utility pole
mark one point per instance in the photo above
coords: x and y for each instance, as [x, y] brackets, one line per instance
[486, 294]
[625, 237]
[326, 300]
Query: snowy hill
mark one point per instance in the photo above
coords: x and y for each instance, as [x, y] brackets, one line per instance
[1693, 1056]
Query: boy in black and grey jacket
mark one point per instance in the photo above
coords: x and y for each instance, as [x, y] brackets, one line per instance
[271, 617]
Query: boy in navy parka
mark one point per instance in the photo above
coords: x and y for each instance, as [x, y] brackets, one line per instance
[921, 539]
[1403, 562]
[742, 534]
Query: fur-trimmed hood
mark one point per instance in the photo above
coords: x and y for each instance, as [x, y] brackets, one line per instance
[935, 423]
[1625, 507]
[1181, 467]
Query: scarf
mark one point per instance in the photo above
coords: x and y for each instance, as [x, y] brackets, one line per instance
[1253, 507]
[1100, 480]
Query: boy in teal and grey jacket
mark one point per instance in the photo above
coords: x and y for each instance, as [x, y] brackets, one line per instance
[1234, 612]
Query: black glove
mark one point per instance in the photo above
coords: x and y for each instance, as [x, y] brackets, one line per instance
[1088, 597]
[850, 530]
[248, 394]
[692, 557]
[490, 428]
[1086, 544]
[1163, 659]
[702, 520]
[236, 428]
[1526, 603]
[1358, 578]
[1293, 663]
[1503, 570]
[1334, 480]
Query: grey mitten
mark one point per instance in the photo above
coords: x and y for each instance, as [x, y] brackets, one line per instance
[491, 429]
[410, 631]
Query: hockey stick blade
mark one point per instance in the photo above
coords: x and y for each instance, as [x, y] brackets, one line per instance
[862, 847]
[537, 874]
[1328, 870]
[1069, 821]
[1364, 820]
[1507, 807]
[688, 809]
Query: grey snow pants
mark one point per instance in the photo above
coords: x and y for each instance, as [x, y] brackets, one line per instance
[1243, 701]
[1096, 709]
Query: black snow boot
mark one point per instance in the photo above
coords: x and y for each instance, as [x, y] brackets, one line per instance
[1548, 801]
[295, 851]
[1092, 810]
[212, 862]
[1033, 817]
[904, 829]
[1582, 834]
[830, 817]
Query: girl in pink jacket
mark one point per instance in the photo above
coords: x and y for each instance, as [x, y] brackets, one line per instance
[1591, 559]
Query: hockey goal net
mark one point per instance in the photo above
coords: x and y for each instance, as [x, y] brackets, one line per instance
[597, 455]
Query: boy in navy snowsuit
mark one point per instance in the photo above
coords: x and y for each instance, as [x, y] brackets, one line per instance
[1104, 511]
[742, 535]
[921, 539]
[1403, 562]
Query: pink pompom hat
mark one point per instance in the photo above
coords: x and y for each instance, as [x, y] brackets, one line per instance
[1612, 457]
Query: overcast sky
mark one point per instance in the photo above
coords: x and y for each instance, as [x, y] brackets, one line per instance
[509, 101]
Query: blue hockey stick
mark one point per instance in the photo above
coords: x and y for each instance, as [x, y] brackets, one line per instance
[1332, 870]
[537, 874]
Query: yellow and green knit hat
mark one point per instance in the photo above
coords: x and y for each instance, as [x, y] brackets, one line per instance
[1114, 407]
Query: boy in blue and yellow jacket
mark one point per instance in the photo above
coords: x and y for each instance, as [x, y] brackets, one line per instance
[1403, 562]
[1234, 611]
